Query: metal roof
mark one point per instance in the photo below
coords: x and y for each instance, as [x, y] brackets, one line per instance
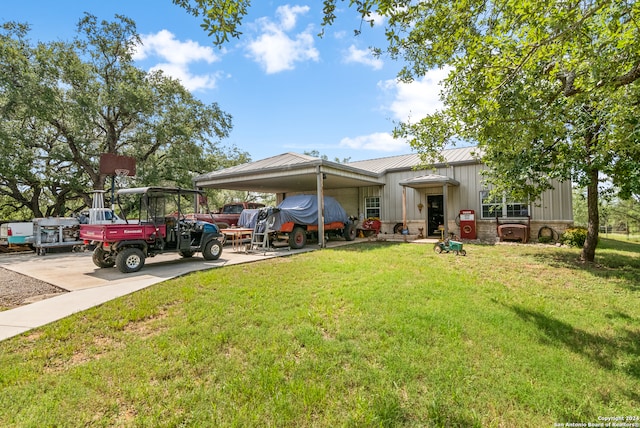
[429, 180]
[459, 155]
[293, 172]
[288, 172]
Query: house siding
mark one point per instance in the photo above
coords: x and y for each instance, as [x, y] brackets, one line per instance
[553, 209]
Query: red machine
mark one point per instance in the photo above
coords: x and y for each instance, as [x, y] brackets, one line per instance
[468, 224]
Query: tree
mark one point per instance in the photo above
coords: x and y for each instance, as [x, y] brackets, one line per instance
[64, 103]
[317, 154]
[548, 90]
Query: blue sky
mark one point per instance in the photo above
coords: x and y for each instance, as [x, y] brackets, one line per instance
[287, 89]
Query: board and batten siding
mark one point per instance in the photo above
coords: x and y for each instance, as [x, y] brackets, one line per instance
[553, 205]
[348, 198]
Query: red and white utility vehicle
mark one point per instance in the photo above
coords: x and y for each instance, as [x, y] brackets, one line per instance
[152, 231]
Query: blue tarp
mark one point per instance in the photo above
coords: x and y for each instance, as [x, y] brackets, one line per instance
[303, 209]
[248, 218]
[300, 209]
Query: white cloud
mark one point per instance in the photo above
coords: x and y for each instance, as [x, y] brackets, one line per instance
[379, 141]
[378, 20]
[189, 80]
[363, 56]
[175, 58]
[289, 15]
[416, 99]
[274, 49]
[407, 100]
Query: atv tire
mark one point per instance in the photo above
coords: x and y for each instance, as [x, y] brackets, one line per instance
[130, 260]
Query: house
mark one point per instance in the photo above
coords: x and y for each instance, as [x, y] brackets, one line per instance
[407, 200]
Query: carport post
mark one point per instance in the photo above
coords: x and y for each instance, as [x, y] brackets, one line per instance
[404, 208]
[445, 214]
[320, 193]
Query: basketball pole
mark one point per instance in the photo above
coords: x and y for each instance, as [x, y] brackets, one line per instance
[113, 193]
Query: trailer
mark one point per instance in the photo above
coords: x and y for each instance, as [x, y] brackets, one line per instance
[56, 232]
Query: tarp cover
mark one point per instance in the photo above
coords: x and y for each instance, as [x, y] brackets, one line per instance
[300, 209]
[303, 209]
[248, 218]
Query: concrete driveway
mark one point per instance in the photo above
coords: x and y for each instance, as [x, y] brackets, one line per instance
[91, 286]
[76, 271]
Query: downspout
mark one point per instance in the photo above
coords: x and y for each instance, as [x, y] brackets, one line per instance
[320, 195]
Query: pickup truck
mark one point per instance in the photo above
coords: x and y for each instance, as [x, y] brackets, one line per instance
[228, 216]
[16, 233]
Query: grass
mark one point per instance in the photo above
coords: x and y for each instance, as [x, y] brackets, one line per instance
[373, 334]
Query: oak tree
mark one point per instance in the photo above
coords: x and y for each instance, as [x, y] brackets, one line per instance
[63, 104]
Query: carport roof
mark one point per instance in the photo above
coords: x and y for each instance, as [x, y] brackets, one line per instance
[288, 172]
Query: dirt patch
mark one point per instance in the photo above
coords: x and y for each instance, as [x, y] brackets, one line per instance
[17, 289]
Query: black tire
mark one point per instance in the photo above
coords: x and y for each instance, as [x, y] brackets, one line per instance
[463, 252]
[212, 250]
[186, 254]
[437, 248]
[130, 260]
[102, 259]
[350, 232]
[297, 238]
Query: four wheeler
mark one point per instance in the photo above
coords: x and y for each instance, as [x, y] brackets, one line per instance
[127, 245]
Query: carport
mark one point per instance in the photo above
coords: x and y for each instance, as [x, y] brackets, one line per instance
[289, 173]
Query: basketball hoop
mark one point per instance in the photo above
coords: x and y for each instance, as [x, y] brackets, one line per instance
[121, 175]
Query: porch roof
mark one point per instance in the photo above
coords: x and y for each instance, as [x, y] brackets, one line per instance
[430, 180]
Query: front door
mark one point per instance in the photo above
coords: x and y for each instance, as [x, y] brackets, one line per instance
[435, 214]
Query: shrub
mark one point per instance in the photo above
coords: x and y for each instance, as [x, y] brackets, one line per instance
[545, 239]
[574, 236]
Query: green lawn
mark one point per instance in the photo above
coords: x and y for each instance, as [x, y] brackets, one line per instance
[372, 334]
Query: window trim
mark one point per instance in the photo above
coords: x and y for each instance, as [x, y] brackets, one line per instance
[373, 207]
[505, 207]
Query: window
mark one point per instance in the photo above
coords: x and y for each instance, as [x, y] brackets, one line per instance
[372, 207]
[501, 206]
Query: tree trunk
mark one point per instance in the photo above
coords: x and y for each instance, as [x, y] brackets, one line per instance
[593, 222]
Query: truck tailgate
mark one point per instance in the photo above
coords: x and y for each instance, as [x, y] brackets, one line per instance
[119, 232]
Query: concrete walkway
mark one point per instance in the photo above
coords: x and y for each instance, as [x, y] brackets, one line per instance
[90, 286]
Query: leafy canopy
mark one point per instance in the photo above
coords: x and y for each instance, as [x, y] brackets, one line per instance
[62, 104]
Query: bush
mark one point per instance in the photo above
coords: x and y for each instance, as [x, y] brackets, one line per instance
[545, 239]
[574, 236]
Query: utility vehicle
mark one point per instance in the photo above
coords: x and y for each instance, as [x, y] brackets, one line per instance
[153, 231]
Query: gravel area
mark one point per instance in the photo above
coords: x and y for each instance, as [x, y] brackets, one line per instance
[17, 289]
